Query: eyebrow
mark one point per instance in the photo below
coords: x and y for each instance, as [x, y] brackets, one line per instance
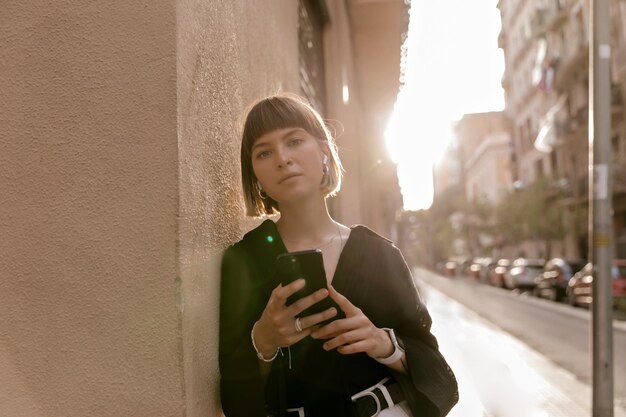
[287, 133]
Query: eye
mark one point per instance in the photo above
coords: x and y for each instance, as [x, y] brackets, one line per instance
[295, 141]
[262, 154]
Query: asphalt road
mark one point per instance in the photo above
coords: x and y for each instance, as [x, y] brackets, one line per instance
[556, 330]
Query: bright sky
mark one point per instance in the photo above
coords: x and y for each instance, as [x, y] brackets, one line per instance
[454, 66]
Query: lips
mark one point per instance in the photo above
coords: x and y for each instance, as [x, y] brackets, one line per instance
[286, 177]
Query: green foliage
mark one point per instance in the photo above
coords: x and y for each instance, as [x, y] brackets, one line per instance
[535, 212]
[442, 239]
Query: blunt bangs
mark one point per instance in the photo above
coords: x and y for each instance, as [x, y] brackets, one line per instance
[281, 111]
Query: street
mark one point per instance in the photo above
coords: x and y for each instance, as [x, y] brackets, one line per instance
[540, 365]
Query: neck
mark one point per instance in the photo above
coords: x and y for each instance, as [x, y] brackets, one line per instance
[306, 222]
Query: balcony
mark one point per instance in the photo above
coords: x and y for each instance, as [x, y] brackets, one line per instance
[572, 62]
[547, 18]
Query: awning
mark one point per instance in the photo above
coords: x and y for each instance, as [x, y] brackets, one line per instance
[547, 137]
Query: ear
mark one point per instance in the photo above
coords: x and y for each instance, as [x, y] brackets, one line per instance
[326, 151]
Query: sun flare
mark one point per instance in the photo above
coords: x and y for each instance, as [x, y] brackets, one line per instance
[453, 66]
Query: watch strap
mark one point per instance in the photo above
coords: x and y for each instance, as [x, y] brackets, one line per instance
[397, 349]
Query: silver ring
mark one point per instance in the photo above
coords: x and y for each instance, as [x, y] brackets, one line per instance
[298, 325]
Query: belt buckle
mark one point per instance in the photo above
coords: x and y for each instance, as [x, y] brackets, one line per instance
[299, 410]
[370, 392]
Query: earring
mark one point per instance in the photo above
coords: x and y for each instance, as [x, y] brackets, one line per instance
[325, 169]
[262, 193]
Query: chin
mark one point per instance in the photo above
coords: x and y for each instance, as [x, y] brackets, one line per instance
[297, 194]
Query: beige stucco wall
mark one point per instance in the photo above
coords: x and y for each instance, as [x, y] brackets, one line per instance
[119, 173]
[88, 178]
[120, 181]
[362, 54]
[229, 54]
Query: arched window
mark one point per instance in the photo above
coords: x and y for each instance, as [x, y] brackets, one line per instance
[313, 16]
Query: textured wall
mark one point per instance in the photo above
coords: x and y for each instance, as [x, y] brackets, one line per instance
[119, 173]
[229, 53]
[88, 219]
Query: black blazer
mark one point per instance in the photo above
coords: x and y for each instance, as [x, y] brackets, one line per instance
[374, 276]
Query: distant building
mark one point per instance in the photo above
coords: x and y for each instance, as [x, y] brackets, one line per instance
[447, 171]
[546, 48]
[485, 151]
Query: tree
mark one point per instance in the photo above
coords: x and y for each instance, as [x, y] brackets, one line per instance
[532, 213]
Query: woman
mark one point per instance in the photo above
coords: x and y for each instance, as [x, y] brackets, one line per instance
[377, 357]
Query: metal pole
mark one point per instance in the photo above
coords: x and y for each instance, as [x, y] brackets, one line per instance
[600, 201]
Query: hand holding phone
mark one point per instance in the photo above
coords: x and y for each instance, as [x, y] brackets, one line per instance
[308, 265]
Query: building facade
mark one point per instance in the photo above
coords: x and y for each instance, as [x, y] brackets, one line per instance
[485, 154]
[546, 45]
[121, 187]
[546, 83]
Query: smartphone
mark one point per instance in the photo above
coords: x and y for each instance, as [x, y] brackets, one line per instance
[308, 265]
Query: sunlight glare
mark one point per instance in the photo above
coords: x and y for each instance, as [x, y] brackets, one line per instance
[453, 66]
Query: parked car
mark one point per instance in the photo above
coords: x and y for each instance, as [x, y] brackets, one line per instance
[464, 266]
[523, 273]
[451, 268]
[486, 270]
[579, 288]
[477, 267]
[497, 275]
[552, 282]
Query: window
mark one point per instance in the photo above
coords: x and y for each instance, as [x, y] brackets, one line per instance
[312, 18]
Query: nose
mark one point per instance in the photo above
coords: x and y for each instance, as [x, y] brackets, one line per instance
[283, 158]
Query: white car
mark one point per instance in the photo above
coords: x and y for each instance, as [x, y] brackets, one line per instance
[523, 272]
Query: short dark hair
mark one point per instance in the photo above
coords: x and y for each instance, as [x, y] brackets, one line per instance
[280, 111]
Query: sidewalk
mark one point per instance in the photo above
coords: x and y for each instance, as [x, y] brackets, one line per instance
[498, 375]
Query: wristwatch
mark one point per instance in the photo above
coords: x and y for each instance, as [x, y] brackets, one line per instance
[397, 349]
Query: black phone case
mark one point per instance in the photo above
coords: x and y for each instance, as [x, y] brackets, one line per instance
[308, 265]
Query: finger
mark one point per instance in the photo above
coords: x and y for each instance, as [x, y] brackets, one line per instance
[336, 327]
[345, 304]
[357, 347]
[295, 337]
[309, 322]
[306, 302]
[345, 338]
[281, 293]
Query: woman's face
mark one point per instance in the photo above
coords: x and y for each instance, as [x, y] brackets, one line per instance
[288, 164]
